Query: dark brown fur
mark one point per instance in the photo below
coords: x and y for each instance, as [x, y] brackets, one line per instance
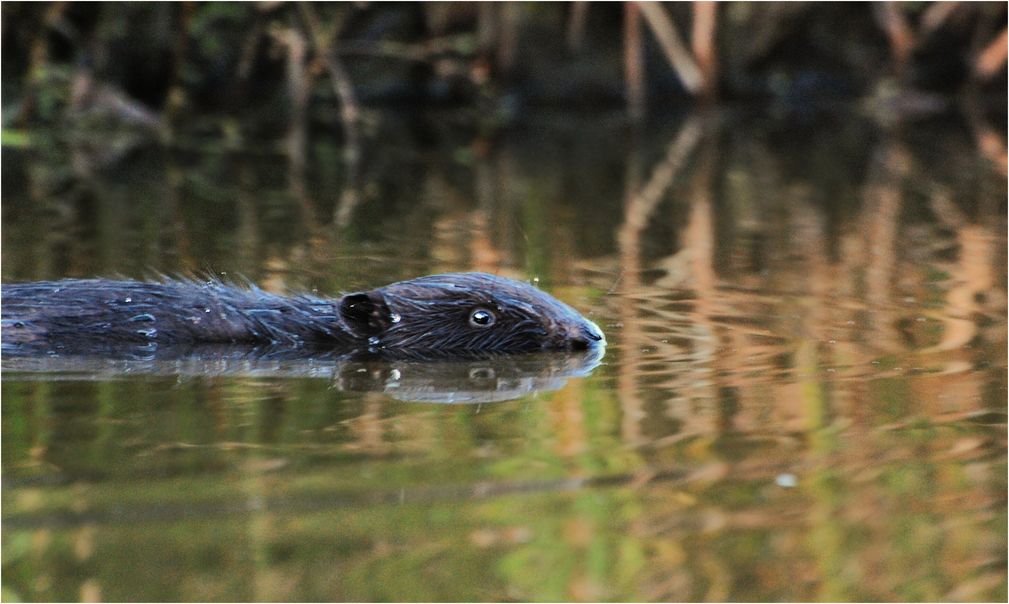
[439, 314]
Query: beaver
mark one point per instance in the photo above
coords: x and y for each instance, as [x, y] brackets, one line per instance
[443, 315]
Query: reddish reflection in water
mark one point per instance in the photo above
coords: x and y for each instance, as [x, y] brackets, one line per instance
[804, 395]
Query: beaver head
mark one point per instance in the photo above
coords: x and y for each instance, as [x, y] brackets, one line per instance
[463, 312]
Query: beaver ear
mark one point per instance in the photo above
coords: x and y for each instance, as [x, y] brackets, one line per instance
[365, 313]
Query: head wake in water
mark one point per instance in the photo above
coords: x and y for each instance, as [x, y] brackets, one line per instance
[455, 314]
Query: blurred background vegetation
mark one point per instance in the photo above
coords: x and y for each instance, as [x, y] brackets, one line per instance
[274, 70]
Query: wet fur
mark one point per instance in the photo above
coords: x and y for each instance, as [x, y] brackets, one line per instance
[420, 315]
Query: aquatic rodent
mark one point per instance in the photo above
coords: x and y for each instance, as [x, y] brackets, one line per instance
[456, 313]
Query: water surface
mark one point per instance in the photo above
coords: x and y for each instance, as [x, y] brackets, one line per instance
[803, 398]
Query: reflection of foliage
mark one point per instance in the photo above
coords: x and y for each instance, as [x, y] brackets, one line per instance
[788, 419]
[262, 490]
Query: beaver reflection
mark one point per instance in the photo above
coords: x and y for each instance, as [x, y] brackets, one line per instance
[478, 379]
[443, 315]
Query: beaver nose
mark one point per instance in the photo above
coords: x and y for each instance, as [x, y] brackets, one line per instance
[587, 335]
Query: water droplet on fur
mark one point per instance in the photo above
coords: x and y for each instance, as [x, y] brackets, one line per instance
[144, 318]
[396, 318]
[128, 300]
[374, 341]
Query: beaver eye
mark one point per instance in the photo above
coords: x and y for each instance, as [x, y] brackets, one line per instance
[481, 318]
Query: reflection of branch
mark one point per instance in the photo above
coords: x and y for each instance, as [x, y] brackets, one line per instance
[812, 405]
[698, 238]
[972, 276]
[629, 242]
[369, 427]
[349, 112]
[38, 59]
[641, 205]
[883, 203]
[299, 84]
[298, 81]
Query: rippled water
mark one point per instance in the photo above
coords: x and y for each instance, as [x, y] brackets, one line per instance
[804, 395]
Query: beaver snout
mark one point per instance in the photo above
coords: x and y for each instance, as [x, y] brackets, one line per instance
[583, 336]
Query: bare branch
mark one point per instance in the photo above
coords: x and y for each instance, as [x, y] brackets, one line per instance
[936, 15]
[349, 112]
[702, 42]
[676, 52]
[576, 24]
[993, 58]
[634, 64]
